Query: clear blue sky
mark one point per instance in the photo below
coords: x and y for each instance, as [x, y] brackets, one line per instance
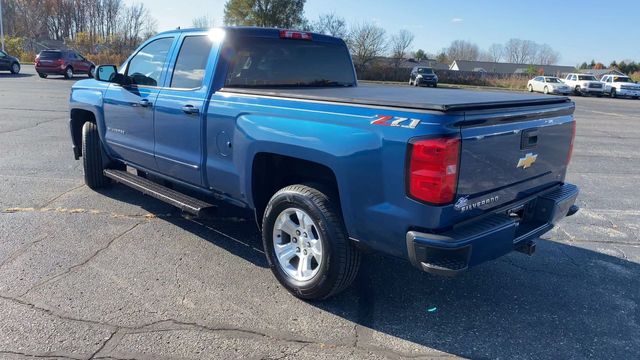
[436, 23]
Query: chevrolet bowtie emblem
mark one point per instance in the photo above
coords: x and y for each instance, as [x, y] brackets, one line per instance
[527, 160]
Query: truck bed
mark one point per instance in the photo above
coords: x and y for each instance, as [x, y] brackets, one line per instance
[408, 97]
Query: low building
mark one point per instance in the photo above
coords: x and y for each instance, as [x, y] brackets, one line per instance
[509, 68]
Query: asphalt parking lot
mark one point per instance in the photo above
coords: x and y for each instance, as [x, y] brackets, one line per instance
[118, 275]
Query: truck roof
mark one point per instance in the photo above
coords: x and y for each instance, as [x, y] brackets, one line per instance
[254, 32]
[408, 97]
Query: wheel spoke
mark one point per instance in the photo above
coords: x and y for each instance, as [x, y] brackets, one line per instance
[286, 252]
[316, 249]
[287, 226]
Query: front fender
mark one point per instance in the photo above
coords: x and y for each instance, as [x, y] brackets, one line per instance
[86, 98]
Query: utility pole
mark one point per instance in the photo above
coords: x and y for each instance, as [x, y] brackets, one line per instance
[1, 27]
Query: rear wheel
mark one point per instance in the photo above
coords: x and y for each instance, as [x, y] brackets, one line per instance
[15, 68]
[530, 88]
[306, 243]
[92, 72]
[92, 157]
[44, 76]
[68, 73]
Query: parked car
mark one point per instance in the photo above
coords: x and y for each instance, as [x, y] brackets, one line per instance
[548, 85]
[584, 84]
[63, 62]
[423, 76]
[9, 63]
[280, 127]
[616, 85]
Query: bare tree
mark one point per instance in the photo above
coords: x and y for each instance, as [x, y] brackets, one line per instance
[399, 45]
[520, 51]
[495, 52]
[462, 50]
[366, 42]
[546, 55]
[331, 24]
[204, 21]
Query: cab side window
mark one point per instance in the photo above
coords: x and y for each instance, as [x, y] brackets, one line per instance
[145, 68]
[191, 63]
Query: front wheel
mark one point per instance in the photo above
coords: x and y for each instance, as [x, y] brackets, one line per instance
[613, 93]
[92, 157]
[530, 88]
[435, 85]
[546, 90]
[92, 72]
[306, 244]
[577, 91]
[15, 68]
[44, 76]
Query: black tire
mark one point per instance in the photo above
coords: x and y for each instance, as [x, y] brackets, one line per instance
[91, 70]
[578, 91]
[546, 90]
[340, 259]
[15, 68]
[435, 85]
[44, 76]
[92, 157]
[68, 73]
[613, 93]
[530, 88]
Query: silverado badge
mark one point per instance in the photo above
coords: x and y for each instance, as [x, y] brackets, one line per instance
[527, 160]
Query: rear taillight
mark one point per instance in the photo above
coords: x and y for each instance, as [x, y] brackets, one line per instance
[573, 138]
[298, 35]
[433, 169]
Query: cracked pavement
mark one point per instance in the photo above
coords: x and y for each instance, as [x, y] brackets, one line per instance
[118, 275]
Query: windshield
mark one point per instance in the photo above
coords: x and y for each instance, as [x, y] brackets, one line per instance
[622, 79]
[587, 77]
[425, 70]
[50, 55]
[260, 62]
[553, 80]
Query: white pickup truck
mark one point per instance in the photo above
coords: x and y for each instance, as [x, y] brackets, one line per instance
[618, 85]
[584, 84]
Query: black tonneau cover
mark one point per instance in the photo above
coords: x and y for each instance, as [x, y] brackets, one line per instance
[408, 97]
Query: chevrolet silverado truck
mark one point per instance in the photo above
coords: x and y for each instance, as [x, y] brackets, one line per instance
[584, 84]
[274, 121]
[623, 86]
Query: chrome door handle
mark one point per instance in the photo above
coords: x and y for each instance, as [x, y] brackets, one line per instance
[190, 109]
[145, 103]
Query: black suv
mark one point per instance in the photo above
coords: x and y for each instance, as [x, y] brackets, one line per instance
[423, 76]
[9, 63]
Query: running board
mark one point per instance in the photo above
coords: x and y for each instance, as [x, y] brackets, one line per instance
[184, 202]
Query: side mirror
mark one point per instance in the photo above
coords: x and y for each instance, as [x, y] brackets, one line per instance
[109, 73]
[106, 73]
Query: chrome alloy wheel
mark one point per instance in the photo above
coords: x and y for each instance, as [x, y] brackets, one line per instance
[297, 244]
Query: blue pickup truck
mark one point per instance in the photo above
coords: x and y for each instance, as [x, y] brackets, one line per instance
[275, 121]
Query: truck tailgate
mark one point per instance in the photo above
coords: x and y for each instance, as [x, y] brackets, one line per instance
[510, 154]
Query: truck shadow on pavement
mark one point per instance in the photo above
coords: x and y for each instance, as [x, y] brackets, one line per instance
[563, 302]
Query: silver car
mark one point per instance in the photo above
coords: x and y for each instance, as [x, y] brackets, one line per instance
[548, 85]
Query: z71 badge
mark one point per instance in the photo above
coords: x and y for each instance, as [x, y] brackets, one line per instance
[387, 120]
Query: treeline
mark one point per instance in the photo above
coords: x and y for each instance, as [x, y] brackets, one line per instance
[95, 25]
[629, 67]
[368, 41]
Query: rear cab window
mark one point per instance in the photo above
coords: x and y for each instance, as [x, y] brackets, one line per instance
[275, 62]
